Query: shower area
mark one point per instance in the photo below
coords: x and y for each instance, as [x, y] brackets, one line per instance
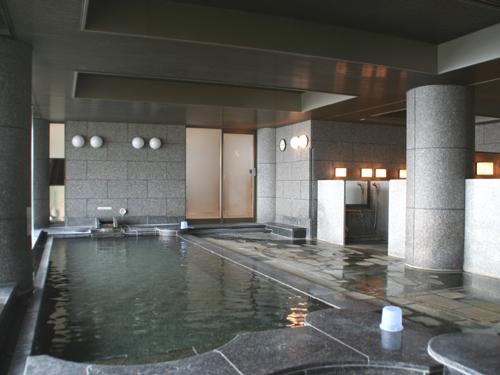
[366, 211]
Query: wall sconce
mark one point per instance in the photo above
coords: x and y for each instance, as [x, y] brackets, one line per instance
[96, 141]
[78, 141]
[381, 173]
[485, 168]
[138, 143]
[282, 144]
[340, 172]
[155, 143]
[402, 173]
[299, 142]
[366, 172]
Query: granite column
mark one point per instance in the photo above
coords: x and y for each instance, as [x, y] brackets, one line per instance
[440, 146]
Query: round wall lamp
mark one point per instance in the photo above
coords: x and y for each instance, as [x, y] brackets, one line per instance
[96, 141]
[78, 141]
[138, 143]
[299, 142]
[155, 143]
[303, 141]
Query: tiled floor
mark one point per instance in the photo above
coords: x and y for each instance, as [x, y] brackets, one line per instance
[430, 298]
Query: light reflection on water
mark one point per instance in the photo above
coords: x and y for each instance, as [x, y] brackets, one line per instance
[145, 300]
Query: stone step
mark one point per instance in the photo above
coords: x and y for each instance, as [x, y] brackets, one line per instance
[287, 230]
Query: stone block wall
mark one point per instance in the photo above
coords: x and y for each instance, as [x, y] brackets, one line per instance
[266, 175]
[488, 137]
[293, 178]
[150, 184]
[40, 184]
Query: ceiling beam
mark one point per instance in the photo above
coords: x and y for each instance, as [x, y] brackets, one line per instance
[225, 27]
[471, 49]
[139, 89]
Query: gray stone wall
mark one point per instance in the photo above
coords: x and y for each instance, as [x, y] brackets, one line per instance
[488, 137]
[40, 187]
[150, 184]
[354, 146]
[293, 178]
[15, 126]
[266, 175]
[481, 242]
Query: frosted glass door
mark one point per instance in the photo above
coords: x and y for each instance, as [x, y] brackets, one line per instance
[203, 173]
[238, 180]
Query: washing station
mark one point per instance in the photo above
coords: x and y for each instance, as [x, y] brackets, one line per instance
[363, 212]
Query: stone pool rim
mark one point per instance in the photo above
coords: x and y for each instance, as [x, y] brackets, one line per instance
[25, 363]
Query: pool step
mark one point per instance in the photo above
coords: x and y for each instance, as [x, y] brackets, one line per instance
[287, 230]
[367, 238]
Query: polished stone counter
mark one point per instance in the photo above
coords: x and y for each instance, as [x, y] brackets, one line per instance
[467, 353]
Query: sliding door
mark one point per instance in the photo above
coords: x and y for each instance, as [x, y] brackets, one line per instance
[238, 176]
[203, 173]
[219, 174]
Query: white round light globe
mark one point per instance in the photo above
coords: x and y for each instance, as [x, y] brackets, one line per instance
[137, 143]
[155, 143]
[96, 141]
[303, 141]
[78, 141]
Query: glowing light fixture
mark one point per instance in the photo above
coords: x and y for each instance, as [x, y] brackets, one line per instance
[402, 173]
[485, 168]
[78, 141]
[138, 143]
[381, 173]
[340, 172]
[303, 141]
[299, 142]
[96, 141]
[366, 172]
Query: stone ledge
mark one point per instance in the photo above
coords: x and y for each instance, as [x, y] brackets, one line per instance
[287, 230]
[353, 345]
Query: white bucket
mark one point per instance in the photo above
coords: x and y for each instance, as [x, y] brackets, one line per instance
[184, 224]
[392, 319]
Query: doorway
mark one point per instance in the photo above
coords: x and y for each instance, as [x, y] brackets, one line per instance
[220, 175]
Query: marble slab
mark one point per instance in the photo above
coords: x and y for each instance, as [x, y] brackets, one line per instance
[406, 349]
[467, 353]
[210, 363]
[273, 351]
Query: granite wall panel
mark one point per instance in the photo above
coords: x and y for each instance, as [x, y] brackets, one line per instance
[488, 137]
[266, 175]
[150, 184]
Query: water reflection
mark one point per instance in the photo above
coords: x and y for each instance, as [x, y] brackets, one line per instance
[145, 300]
[297, 315]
